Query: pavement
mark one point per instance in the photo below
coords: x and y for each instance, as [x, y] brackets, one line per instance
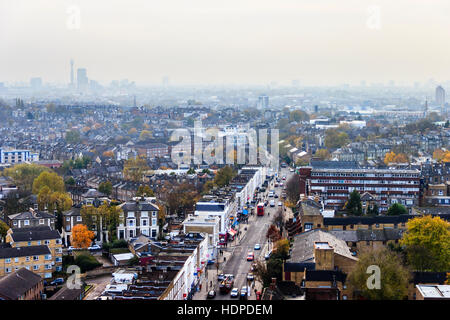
[235, 254]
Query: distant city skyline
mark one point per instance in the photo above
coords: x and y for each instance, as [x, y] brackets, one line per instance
[233, 42]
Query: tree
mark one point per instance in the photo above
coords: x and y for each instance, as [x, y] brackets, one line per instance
[394, 277]
[282, 249]
[298, 115]
[353, 205]
[145, 135]
[72, 136]
[427, 242]
[335, 138]
[3, 230]
[49, 179]
[224, 176]
[105, 187]
[145, 191]
[273, 233]
[135, 168]
[389, 157]
[81, 237]
[208, 186]
[24, 174]
[396, 209]
[322, 154]
[293, 189]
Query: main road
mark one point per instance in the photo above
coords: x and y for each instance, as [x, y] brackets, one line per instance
[257, 227]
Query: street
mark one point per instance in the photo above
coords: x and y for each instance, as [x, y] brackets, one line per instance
[236, 253]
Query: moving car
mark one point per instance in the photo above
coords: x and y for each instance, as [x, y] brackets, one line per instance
[275, 196]
[250, 256]
[234, 293]
[280, 203]
[271, 194]
[244, 293]
[211, 294]
[291, 170]
[257, 246]
[272, 203]
[220, 277]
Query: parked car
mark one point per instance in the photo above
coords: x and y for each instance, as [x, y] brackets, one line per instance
[94, 247]
[267, 255]
[211, 294]
[280, 203]
[291, 170]
[257, 246]
[220, 277]
[234, 293]
[250, 277]
[272, 203]
[57, 281]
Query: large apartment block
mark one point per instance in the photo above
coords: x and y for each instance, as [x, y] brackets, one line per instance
[17, 156]
[333, 181]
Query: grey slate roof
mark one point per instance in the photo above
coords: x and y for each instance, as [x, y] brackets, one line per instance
[24, 251]
[140, 206]
[303, 249]
[27, 215]
[16, 284]
[31, 235]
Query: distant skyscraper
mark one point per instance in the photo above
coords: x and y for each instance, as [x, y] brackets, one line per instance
[165, 81]
[72, 84]
[440, 98]
[263, 101]
[82, 79]
[425, 111]
[36, 83]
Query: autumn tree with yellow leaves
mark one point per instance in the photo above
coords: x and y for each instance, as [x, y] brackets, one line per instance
[392, 157]
[81, 237]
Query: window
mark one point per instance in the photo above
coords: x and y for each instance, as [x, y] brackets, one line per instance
[153, 222]
[27, 259]
[48, 267]
[8, 270]
[8, 260]
[144, 214]
[46, 242]
[144, 222]
[35, 267]
[79, 219]
[39, 243]
[48, 257]
[154, 214]
[68, 219]
[35, 258]
[130, 214]
[16, 259]
[29, 243]
[26, 222]
[41, 221]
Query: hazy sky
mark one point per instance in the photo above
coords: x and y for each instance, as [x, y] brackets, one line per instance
[227, 41]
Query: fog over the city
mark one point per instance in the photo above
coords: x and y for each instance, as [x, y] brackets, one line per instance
[236, 41]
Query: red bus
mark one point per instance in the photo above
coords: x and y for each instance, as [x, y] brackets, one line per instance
[260, 209]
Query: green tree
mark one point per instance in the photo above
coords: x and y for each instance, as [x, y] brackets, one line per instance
[24, 174]
[105, 187]
[335, 138]
[427, 242]
[353, 205]
[49, 179]
[144, 191]
[72, 136]
[298, 115]
[224, 176]
[396, 209]
[3, 230]
[394, 277]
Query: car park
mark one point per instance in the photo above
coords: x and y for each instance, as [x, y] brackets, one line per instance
[234, 293]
